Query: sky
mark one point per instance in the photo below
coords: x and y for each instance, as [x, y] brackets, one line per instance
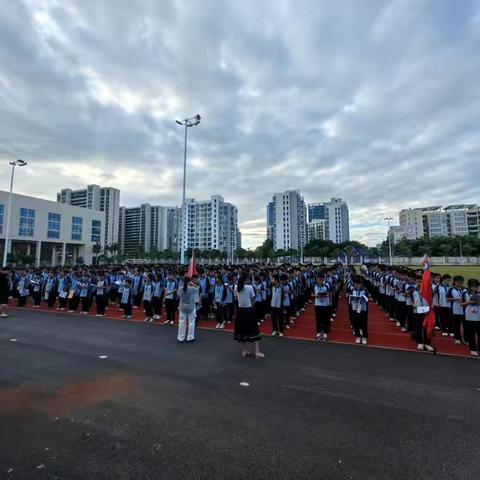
[377, 102]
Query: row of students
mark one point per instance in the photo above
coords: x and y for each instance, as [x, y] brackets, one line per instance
[397, 291]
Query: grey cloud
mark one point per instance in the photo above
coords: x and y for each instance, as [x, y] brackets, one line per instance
[376, 102]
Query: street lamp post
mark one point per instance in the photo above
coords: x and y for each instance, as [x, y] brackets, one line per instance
[389, 239]
[17, 163]
[461, 251]
[188, 122]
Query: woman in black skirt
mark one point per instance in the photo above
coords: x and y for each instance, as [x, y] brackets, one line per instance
[246, 327]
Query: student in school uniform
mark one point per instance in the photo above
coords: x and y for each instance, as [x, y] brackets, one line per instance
[171, 288]
[74, 293]
[220, 293]
[229, 299]
[246, 328]
[444, 306]
[63, 286]
[148, 290]
[276, 309]
[137, 286]
[22, 288]
[50, 289]
[409, 308]
[258, 307]
[126, 300]
[101, 293]
[455, 297]
[472, 316]
[359, 297]
[420, 309]
[323, 306]
[436, 277]
[84, 286]
[187, 310]
[37, 287]
[204, 283]
[157, 299]
[288, 301]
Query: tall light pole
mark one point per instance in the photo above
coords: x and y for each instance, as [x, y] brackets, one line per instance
[6, 249]
[188, 122]
[461, 251]
[389, 239]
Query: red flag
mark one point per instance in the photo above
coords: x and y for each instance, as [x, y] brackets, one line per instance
[427, 294]
[192, 268]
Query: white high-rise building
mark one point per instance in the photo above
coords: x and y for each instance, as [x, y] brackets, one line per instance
[336, 215]
[450, 221]
[317, 230]
[103, 199]
[286, 220]
[143, 227]
[212, 225]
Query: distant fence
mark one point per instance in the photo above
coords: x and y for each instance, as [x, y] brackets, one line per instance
[352, 260]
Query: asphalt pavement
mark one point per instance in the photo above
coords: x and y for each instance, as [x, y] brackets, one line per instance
[93, 399]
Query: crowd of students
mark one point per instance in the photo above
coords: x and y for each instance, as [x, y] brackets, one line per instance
[456, 307]
[278, 293]
[251, 295]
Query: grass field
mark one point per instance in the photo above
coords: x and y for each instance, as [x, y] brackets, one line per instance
[465, 271]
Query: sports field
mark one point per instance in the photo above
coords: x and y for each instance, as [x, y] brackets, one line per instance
[467, 271]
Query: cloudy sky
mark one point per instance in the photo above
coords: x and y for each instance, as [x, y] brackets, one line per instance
[374, 101]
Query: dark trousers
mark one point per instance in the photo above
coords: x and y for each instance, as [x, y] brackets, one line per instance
[157, 306]
[229, 312]
[409, 316]
[322, 318]
[289, 312]
[101, 302]
[360, 322]
[472, 334]
[420, 331]
[437, 316]
[127, 309]
[73, 302]
[259, 310]
[148, 306]
[205, 307]
[85, 304]
[457, 323]
[37, 298]
[220, 313]
[51, 299]
[391, 306]
[113, 294]
[22, 300]
[277, 319]
[400, 313]
[62, 302]
[137, 298]
[446, 319]
[170, 305]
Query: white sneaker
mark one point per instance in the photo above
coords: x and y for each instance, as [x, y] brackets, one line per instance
[364, 341]
[358, 340]
[429, 348]
[392, 319]
[325, 337]
[474, 353]
[172, 322]
[444, 334]
[280, 334]
[451, 334]
[334, 315]
[274, 333]
[420, 346]
[222, 326]
[404, 329]
[166, 322]
[318, 336]
[287, 327]
[3, 315]
[217, 326]
[397, 324]
[458, 342]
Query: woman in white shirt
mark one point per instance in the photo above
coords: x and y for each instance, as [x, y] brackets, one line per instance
[246, 327]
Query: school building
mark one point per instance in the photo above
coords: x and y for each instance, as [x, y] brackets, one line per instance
[51, 233]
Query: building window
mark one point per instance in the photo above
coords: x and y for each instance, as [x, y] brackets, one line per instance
[77, 223]
[2, 209]
[53, 225]
[96, 230]
[27, 222]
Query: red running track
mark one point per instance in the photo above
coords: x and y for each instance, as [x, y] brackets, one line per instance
[382, 332]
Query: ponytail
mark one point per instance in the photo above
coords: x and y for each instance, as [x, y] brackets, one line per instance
[241, 283]
[185, 283]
